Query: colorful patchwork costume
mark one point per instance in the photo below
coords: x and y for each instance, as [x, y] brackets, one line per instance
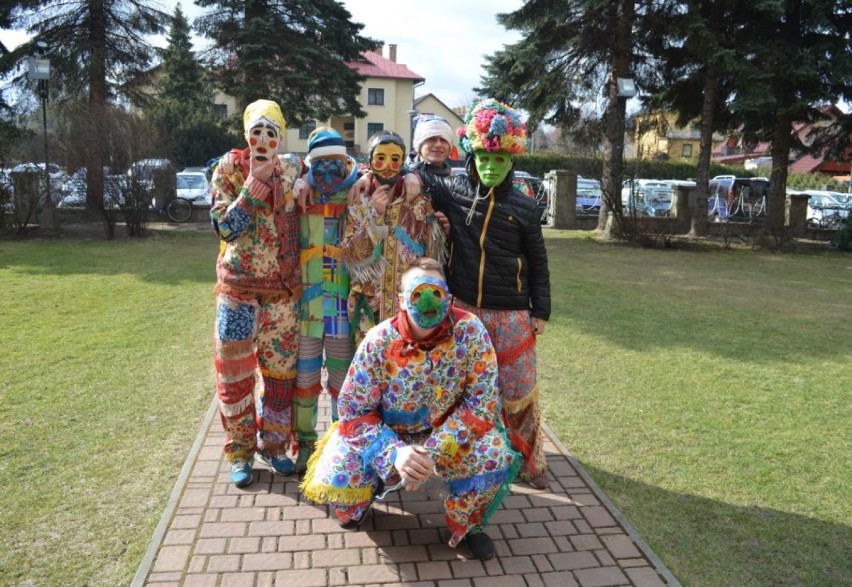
[325, 334]
[257, 292]
[378, 248]
[441, 396]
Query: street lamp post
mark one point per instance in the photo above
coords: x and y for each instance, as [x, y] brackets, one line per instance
[39, 69]
[411, 114]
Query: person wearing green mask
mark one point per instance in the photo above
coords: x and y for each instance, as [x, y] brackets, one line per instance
[497, 264]
[420, 401]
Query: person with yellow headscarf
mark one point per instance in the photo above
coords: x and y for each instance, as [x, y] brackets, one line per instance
[258, 289]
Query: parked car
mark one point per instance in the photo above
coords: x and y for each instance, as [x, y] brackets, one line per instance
[207, 171]
[729, 196]
[646, 197]
[588, 196]
[58, 178]
[826, 209]
[194, 187]
[114, 187]
[533, 187]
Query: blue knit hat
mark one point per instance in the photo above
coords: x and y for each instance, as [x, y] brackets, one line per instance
[326, 143]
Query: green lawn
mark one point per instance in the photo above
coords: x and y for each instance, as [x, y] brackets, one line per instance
[708, 393]
[106, 376]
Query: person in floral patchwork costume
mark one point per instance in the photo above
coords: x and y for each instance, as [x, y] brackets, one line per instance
[420, 399]
[258, 288]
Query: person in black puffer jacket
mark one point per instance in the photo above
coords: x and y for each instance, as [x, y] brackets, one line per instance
[497, 264]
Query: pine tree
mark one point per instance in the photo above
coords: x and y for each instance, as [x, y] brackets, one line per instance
[291, 51]
[96, 46]
[571, 51]
[796, 59]
[183, 111]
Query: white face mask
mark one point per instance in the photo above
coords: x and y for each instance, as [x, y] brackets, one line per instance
[263, 141]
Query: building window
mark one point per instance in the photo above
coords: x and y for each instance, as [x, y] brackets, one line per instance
[220, 111]
[686, 151]
[374, 127]
[306, 130]
[375, 97]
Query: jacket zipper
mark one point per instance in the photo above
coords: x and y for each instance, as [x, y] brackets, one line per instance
[482, 245]
[520, 268]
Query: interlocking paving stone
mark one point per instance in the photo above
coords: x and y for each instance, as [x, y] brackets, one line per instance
[267, 534]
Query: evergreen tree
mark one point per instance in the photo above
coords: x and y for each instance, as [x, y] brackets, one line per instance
[291, 51]
[96, 46]
[697, 47]
[183, 111]
[572, 51]
[796, 59]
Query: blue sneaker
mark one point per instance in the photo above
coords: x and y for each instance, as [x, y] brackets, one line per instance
[281, 465]
[241, 474]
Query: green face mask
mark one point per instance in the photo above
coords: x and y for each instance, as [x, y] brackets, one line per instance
[492, 168]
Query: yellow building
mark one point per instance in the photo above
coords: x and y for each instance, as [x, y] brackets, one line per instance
[387, 96]
[657, 136]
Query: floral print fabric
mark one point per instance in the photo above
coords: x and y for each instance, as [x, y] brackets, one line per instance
[444, 399]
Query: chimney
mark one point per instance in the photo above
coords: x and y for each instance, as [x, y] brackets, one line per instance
[380, 50]
[392, 52]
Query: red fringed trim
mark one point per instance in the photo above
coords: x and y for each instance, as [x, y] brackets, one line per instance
[454, 527]
[520, 445]
[308, 392]
[348, 428]
[477, 426]
[243, 365]
[510, 355]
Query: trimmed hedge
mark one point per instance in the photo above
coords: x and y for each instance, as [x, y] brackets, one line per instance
[542, 162]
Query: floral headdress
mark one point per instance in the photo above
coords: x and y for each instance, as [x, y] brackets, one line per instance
[493, 126]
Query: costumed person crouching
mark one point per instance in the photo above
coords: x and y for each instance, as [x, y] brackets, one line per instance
[385, 232]
[325, 339]
[420, 399]
[254, 213]
[497, 267]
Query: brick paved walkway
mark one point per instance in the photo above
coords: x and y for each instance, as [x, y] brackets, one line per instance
[267, 534]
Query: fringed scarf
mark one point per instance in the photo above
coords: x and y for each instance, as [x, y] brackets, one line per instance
[407, 345]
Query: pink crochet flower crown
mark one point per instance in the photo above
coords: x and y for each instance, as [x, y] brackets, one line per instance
[493, 126]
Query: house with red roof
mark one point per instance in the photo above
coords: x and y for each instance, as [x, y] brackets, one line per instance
[387, 96]
[734, 152]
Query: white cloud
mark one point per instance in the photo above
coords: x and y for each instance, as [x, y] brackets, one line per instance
[443, 41]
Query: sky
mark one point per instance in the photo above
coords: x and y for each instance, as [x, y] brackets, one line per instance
[443, 41]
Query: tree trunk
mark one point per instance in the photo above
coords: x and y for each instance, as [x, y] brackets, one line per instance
[614, 143]
[698, 226]
[97, 102]
[776, 199]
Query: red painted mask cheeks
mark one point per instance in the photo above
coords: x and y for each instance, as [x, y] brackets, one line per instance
[387, 162]
[263, 142]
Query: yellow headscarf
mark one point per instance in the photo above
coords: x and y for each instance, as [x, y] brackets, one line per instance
[265, 110]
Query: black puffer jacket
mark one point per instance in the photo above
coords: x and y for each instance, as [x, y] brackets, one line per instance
[497, 258]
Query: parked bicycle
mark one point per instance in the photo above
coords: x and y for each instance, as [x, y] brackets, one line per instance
[175, 208]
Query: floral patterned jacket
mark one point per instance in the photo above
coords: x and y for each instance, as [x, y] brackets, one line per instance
[448, 393]
[260, 249]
